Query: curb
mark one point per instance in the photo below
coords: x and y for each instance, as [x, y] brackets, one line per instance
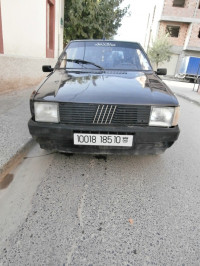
[175, 79]
[16, 158]
[188, 99]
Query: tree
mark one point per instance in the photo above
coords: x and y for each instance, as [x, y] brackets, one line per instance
[92, 19]
[160, 50]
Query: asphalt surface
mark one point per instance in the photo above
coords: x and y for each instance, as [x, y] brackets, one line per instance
[114, 210]
[14, 116]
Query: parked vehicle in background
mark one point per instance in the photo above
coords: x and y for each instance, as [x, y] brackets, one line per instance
[190, 68]
[104, 97]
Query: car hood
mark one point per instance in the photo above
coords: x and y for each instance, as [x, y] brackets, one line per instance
[109, 87]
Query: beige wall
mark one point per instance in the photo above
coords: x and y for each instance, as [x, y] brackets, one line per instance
[171, 65]
[21, 72]
[24, 27]
[24, 40]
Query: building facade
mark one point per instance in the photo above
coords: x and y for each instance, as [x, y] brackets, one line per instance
[180, 19]
[31, 34]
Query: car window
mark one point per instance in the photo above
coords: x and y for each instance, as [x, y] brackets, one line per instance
[108, 55]
[143, 61]
[75, 50]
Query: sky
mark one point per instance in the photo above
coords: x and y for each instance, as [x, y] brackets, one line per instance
[134, 27]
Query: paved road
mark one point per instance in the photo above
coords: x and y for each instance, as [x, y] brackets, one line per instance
[14, 115]
[119, 210]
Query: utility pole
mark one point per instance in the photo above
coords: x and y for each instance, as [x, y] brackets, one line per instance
[146, 31]
[151, 28]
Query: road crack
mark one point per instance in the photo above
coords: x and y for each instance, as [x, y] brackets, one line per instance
[69, 256]
[80, 217]
[81, 206]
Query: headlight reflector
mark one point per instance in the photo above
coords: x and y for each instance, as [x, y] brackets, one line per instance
[46, 112]
[162, 116]
[176, 116]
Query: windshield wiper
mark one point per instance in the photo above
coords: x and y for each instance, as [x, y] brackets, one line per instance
[79, 61]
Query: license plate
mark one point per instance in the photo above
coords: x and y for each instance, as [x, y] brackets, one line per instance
[103, 140]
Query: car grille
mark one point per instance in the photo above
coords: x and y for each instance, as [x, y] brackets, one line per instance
[104, 114]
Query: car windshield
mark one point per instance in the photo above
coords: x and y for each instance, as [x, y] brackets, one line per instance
[103, 55]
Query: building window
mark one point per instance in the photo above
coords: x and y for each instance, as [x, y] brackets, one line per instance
[173, 31]
[50, 28]
[1, 34]
[179, 3]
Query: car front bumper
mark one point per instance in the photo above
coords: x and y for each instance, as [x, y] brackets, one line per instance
[59, 137]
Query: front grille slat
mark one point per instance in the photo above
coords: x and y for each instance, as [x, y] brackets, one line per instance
[104, 114]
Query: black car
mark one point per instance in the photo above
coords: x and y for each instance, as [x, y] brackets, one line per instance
[104, 97]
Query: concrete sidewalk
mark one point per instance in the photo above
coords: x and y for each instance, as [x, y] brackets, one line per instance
[185, 90]
[15, 113]
[14, 134]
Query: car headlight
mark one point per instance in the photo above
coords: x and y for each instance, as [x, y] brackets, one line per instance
[164, 116]
[46, 112]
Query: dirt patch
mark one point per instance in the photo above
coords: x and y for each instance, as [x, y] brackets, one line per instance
[5, 182]
[8, 86]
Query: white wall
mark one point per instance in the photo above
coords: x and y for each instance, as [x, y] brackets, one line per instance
[59, 28]
[24, 27]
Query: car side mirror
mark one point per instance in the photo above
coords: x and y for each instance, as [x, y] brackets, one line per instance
[161, 71]
[47, 68]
